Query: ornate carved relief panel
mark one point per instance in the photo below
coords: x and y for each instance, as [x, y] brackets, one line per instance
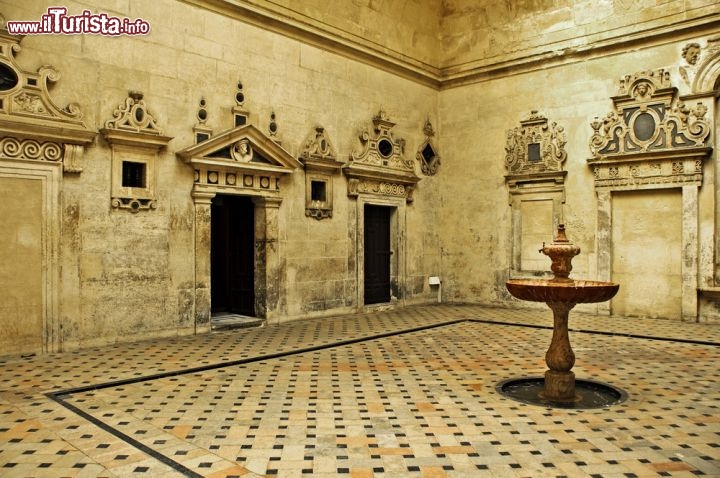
[240, 160]
[381, 168]
[534, 157]
[32, 126]
[321, 165]
[700, 66]
[135, 140]
[650, 137]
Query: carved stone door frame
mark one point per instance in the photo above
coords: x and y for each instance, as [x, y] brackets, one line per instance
[652, 139]
[220, 168]
[42, 141]
[398, 257]
[380, 175]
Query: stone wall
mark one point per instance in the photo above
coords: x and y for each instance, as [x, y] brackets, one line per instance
[474, 121]
[131, 275]
[125, 275]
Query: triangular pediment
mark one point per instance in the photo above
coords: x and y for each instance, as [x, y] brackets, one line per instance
[244, 148]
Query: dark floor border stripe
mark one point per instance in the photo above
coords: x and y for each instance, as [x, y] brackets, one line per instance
[215, 366]
[604, 332]
[58, 396]
[127, 439]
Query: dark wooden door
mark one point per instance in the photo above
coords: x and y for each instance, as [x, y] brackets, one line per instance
[232, 255]
[377, 254]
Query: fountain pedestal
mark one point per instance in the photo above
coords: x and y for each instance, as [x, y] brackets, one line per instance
[561, 294]
[560, 358]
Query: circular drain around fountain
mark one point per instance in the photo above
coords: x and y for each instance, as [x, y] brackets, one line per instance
[591, 394]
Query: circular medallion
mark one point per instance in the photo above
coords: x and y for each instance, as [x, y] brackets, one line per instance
[8, 78]
[385, 148]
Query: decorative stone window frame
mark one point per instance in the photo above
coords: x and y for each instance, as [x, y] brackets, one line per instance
[427, 153]
[319, 158]
[136, 140]
[381, 168]
[534, 157]
[652, 139]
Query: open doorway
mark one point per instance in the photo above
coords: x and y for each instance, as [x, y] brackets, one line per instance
[377, 254]
[232, 255]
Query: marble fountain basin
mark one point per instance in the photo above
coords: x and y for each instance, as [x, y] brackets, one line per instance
[567, 291]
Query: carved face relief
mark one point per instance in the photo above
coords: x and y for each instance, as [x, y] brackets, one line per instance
[241, 151]
[691, 53]
[642, 90]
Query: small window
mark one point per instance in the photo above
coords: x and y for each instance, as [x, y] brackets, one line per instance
[133, 174]
[534, 152]
[318, 191]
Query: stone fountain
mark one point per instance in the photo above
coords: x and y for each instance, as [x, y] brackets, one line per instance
[561, 294]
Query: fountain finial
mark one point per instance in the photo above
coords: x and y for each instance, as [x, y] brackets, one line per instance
[561, 252]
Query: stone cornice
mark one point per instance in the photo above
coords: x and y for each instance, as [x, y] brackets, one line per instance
[325, 37]
[577, 50]
[309, 31]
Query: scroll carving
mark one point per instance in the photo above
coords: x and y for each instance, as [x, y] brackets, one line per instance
[380, 162]
[133, 115]
[650, 137]
[59, 134]
[535, 146]
[648, 117]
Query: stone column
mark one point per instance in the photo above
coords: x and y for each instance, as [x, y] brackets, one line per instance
[689, 265]
[202, 201]
[604, 243]
[269, 270]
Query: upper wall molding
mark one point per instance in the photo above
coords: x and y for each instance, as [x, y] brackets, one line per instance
[304, 29]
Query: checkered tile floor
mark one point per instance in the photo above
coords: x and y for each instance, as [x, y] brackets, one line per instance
[405, 393]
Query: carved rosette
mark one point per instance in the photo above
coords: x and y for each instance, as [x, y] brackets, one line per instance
[380, 167]
[535, 146]
[650, 137]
